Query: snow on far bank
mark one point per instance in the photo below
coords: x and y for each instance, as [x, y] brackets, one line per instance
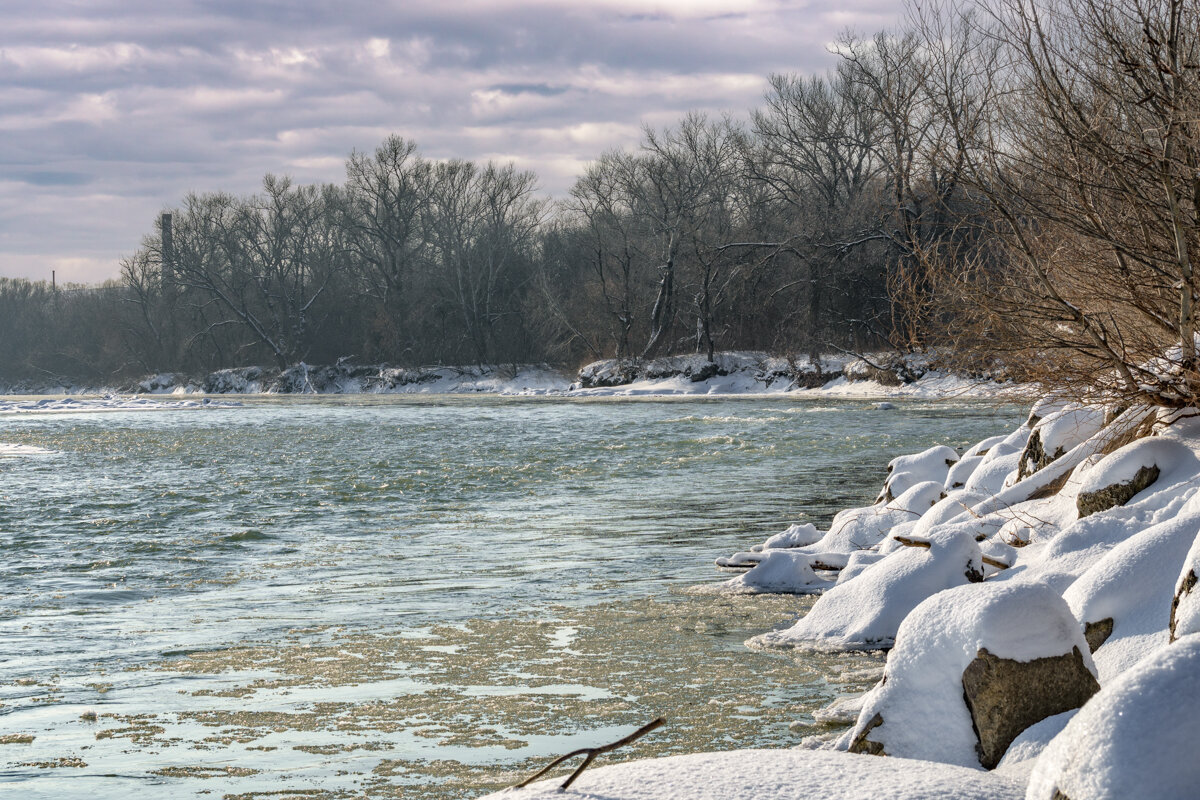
[735, 373]
[776, 775]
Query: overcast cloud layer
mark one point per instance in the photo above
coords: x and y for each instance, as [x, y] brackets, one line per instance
[111, 110]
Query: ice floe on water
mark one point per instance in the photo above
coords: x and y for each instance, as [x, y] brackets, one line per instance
[77, 404]
[19, 450]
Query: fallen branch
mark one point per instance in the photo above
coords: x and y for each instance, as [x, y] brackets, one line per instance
[591, 753]
[907, 542]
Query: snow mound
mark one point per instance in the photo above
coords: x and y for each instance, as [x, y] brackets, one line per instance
[920, 702]
[865, 613]
[990, 475]
[905, 472]
[776, 775]
[1136, 738]
[1125, 597]
[778, 571]
[800, 535]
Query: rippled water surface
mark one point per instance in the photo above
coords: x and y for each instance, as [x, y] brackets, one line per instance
[396, 597]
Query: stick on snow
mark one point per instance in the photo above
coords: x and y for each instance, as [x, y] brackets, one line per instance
[591, 753]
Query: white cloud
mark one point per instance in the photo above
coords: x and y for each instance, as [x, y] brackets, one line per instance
[114, 109]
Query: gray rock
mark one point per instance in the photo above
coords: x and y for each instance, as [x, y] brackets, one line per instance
[862, 744]
[1118, 494]
[1005, 696]
[1189, 583]
[1097, 633]
[1034, 457]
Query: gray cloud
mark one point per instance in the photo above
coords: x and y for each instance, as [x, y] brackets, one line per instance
[113, 109]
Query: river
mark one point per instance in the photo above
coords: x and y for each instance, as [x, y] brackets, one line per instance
[365, 596]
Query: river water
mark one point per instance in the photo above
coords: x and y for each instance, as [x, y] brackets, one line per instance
[364, 596]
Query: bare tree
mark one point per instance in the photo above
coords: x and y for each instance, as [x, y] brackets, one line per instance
[1087, 155]
[385, 194]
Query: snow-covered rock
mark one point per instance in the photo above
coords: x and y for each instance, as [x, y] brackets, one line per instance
[990, 475]
[1058, 433]
[797, 535]
[1130, 470]
[972, 668]
[1127, 594]
[905, 472]
[779, 571]
[1136, 738]
[1185, 603]
[866, 612]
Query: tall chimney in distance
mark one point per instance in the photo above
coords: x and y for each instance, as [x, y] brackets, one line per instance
[167, 269]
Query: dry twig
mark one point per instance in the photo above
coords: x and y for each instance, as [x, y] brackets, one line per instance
[591, 753]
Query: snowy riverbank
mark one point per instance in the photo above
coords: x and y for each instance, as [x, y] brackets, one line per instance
[842, 376]
[1038, 596]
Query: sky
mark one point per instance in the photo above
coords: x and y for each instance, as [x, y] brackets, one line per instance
[113, 110]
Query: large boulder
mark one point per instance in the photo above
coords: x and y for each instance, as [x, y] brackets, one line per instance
[1005, 696]
[1056, 434]
[973, 667]
[1121, 475]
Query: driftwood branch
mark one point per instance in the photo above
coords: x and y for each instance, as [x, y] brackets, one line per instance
[591, 753]
[907, 542]
[910, 542]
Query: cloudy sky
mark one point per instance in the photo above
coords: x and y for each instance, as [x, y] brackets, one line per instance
[111, 110]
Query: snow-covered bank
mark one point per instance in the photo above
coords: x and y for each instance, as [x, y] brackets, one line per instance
[777, 775]
[839, 376]
[1038, 596]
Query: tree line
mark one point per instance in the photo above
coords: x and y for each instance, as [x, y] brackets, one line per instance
[1012, 183]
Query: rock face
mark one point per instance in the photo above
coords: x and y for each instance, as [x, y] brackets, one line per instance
[1117, 494]
[1005, 697]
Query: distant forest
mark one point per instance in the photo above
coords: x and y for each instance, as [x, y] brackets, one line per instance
[1005, 181]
